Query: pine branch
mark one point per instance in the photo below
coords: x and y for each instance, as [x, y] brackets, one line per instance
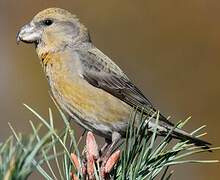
[143, 155]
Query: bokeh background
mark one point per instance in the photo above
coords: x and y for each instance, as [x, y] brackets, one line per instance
[170, 49]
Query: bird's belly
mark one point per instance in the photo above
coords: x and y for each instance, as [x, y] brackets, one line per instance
[96, 108]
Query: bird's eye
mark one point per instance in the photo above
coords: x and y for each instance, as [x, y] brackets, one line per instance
[47, 22]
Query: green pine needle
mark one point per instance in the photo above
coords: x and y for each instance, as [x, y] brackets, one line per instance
[143, 156]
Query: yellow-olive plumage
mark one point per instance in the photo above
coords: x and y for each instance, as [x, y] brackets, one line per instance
[86, 83]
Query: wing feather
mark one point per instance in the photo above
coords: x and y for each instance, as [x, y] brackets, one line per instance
[103, 73]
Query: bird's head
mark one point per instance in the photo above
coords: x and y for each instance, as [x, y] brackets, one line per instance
[52, 29]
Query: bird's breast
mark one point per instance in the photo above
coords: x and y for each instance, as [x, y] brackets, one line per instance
[72, 91]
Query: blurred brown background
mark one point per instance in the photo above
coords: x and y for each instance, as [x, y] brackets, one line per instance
[170, 49]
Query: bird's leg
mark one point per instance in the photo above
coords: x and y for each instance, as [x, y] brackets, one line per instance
[105, 146]
[110, 146]
[116, 139]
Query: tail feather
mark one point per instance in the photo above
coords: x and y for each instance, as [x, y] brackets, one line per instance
[182, 135]
[176, 133]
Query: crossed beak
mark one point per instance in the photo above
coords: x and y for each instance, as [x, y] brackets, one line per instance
[28, 34]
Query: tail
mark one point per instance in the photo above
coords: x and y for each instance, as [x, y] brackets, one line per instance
[164, 127]
[182, 135]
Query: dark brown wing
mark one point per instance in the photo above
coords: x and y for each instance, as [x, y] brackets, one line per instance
[104, 74]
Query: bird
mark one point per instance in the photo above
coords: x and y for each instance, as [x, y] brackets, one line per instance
[88, 85]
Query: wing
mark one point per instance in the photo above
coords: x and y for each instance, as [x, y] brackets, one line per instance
[102, 72]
